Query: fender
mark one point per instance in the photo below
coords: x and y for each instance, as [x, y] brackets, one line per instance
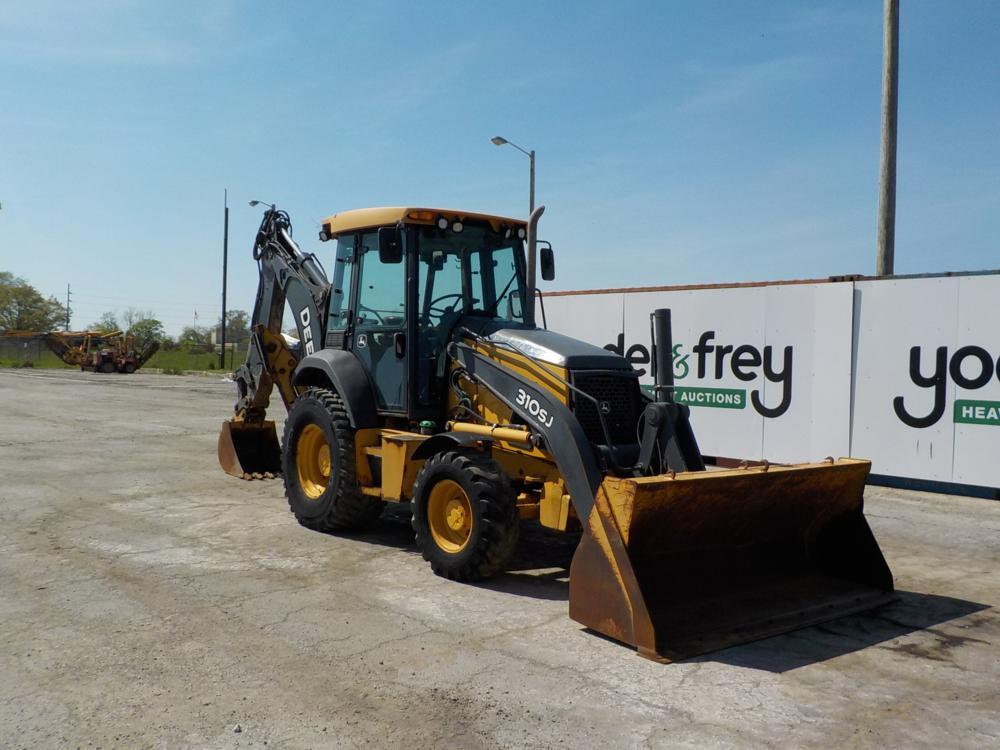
[564, 437]
[443, 441]
[342, 370]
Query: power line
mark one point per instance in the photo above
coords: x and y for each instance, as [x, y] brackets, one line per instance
[107, 305]
[134, 301]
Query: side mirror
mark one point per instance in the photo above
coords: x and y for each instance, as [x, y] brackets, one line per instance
[547, 260]
[390, 245]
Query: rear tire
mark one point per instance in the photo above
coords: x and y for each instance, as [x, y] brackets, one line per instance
[317, 463]
[464, 515]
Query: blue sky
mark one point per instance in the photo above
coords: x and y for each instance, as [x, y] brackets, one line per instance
[677, 142]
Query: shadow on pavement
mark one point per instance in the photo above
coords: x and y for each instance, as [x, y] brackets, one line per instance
[910, 613]
[392, 530]
[539, 569]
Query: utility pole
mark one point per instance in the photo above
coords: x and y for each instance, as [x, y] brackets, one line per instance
[884, 261]
[225, 264]
[67, 307]
[531, 183]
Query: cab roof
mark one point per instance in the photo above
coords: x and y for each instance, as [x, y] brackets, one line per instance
[368, 218]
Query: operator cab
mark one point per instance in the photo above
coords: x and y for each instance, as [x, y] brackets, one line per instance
[403, 279]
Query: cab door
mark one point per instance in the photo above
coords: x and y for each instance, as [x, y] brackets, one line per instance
[379, 336]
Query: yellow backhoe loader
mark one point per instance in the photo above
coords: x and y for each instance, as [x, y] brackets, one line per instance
[420, 377]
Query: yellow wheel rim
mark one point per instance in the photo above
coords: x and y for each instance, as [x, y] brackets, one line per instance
[449, 515]
[312, 461]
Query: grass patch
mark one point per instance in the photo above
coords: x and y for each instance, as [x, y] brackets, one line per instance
[175, 361]
[181, 360]
[38, 359]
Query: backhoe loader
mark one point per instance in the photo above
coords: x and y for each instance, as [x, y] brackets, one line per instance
[100, 351]
[420, 377]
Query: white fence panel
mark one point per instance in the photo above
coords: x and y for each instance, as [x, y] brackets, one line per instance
[905, 371]
[894, 321]
[977, 440]
[815, 321]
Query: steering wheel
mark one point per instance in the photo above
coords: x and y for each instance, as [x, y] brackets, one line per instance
[441, 311]
[376, 313]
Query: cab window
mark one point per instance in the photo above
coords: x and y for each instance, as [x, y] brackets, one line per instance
[339, 315]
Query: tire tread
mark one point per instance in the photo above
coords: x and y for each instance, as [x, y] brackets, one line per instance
[497, 505]
[350, 509]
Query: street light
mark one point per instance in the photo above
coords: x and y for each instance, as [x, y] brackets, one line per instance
[500, 141]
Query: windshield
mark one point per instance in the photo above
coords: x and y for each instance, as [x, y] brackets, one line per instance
[475, 271]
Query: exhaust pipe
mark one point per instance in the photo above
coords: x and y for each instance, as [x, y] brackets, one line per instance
[663, 349]
[532, 263]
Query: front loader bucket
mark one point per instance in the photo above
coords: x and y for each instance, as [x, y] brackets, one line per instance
[681, 565]
[249, 451]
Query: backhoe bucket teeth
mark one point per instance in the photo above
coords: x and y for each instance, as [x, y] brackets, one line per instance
[249, 451]
[685, 564]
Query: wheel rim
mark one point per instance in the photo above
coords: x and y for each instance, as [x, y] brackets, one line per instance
[312, 461]
[449, 515]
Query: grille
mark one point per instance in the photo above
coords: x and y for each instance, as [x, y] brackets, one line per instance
[621, 395]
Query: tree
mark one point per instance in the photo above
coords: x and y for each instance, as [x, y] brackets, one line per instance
[131, 315]
[22, 307]
[195, 339]
[237, 326]
[147, 330]
[108, 322]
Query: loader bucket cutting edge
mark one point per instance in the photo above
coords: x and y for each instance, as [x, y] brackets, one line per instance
[246, 450]
[686, 565]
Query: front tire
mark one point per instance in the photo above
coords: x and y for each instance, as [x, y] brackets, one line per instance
[464, 515]
[317, 463]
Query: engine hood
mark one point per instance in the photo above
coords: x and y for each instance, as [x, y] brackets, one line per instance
[547, 346]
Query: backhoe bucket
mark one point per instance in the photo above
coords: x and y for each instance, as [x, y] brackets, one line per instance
[681, 565]
[249, 450]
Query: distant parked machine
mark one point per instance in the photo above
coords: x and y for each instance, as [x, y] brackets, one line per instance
[98, 351]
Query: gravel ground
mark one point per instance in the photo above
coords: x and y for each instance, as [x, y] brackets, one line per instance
[149, 600]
